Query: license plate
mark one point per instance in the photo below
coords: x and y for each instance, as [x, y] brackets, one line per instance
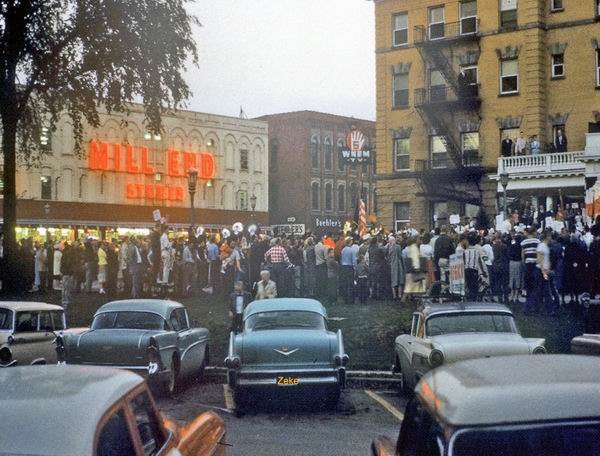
[287, 381]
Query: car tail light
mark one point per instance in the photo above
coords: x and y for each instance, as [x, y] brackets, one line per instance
[341, 360]
[436, 358]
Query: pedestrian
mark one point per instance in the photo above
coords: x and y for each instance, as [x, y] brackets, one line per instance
[102, 263]
[443, 248]
[57, 260]
[542, 275]
[167, 257]
[136, 267]
[238, 301]
[320, 268]
[279, 260]
[266, 288]
[529, 256]
[396, 264]
[575, 268]
[123, 265]
[415, 273]
[333, 270]
[309, 267]
[426, 253]
[375, 260]
[349, 260]
[476, 272]
[112, 268]
[91, 264]
[362, 279]
[534, 145]
[189, 267]
[67, 269]
[515, 268]
[500, 269]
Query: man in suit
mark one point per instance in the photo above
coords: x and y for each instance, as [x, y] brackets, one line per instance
[507, 147]
[238, 301]
[561, 141]
[135, 265]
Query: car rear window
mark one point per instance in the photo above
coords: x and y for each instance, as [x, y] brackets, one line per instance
[128, 320]
[475, 322]
[284, 320]
[568, 439]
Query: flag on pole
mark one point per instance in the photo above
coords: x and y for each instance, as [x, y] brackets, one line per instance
[362, 218]
[242, 113]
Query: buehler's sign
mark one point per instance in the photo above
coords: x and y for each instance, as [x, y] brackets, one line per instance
[357, 150]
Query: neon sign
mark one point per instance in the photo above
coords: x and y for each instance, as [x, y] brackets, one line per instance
[135, 160]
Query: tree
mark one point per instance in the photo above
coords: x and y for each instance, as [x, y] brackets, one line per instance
[71, 56]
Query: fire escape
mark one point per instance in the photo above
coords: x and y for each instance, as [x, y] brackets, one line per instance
[441, 105]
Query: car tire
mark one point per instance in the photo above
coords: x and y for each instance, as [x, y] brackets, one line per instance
[407, 388]
[172, 384]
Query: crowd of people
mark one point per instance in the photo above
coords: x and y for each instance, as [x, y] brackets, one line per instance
[535, 263]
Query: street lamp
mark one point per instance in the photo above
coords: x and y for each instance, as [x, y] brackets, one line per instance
[47, 214]
[192, 180]
[504, 183]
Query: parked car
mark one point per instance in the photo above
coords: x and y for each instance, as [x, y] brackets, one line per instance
[517, 405]
[149, 336]
[82, 410]
[450, 332]
[586, 344]
[285, 344]
[28, 331]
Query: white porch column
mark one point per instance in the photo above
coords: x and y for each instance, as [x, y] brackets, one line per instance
[549, 203]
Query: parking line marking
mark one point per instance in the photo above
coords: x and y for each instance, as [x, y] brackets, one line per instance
[228, 394]
[386, 405]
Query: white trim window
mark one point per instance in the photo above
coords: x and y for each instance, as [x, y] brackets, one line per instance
[438, 152]
[557, 5]
[469, 144]
[402, 154]
[558, 66]
[341, 198]
[508, 13]
[340, 163]
[597, 67]
[314, 153]
[509, 76]
[472, 74]
[437, 23]
[400, 33]
[401, 216]
[468, 17]
[400, 90]
[329, 196]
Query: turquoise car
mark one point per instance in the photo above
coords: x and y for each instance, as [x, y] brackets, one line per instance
[151, 337]
[285, 344]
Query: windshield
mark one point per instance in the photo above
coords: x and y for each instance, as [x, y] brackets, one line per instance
[467, 322]
[5, 319]
[569, 439]
[287, 319]
[128, 320]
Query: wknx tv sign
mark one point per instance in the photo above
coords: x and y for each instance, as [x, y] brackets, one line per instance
[357, 149]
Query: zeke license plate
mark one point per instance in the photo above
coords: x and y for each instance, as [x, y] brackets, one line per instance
[287, 381]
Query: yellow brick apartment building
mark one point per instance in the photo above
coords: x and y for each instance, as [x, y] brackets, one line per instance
[455, 78]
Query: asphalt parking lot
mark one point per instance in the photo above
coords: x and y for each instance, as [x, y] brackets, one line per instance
[294, 425]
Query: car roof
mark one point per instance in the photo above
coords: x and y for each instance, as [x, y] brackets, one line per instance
[513, 389]
[60, 405]
[159, 306]
[28, 306]
[430, 308]
[273, 305]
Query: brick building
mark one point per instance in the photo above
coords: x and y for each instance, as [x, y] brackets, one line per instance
[308, 184]
[454, 78]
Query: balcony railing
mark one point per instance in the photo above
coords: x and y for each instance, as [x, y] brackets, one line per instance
[467, 28]
[552, 163]
[447, 94]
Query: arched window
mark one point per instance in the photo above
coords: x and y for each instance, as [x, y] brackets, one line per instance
[353, 195]
[315, 196]
[57, 185]
[328, 154]
[102, 179]
[82, 184]
[341, 197]
[314, 152]
[340, 163]
[328, 197]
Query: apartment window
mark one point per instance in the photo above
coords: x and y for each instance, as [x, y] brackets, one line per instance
[401, 90]
[400, 29]
[340, 163]
[468, 17]
[437, 86]
[509, 76]
[508, 13]
[471, 73]
[556, 5]
[402, 154]
[328, 155]
[46, 182]
[436, 23]
[244, 159]
[314, 152]
[470, 148]
[438, 152]
[598, 67]
[558, 66]
[341, 197]
[315, 196]
[401, 216]
[328, 197]
[242, 200]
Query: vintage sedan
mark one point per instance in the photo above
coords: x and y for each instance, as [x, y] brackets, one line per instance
[28, 331]
[151, 337]
[285, 345]
[84, 410]
[450, 332]
[513, 405]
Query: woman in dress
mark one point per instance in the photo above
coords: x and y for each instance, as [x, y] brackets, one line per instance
[397, 274]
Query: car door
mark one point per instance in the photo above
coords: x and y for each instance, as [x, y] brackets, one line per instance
[114, 437]
[185, 341]
[46, 328]
[28, 344]
[421, 351]
[406, 347]
[148, 426]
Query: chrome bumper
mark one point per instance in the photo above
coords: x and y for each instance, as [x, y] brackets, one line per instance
[271, 377]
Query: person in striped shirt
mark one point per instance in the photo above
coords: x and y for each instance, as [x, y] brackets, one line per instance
[529, 247]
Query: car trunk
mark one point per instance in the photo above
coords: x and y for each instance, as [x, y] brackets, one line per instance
[115, 347]
[289, 348]
[458, 347]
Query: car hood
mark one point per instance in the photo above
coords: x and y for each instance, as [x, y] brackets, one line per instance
[287, 347]
[115, 347]
[458, 347]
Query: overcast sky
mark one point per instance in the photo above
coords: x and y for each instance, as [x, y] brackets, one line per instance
[273, 56]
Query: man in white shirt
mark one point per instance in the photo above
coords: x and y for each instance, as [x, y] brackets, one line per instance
[238, 300]
[165, 255]
[520, 145]
[543, 274]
